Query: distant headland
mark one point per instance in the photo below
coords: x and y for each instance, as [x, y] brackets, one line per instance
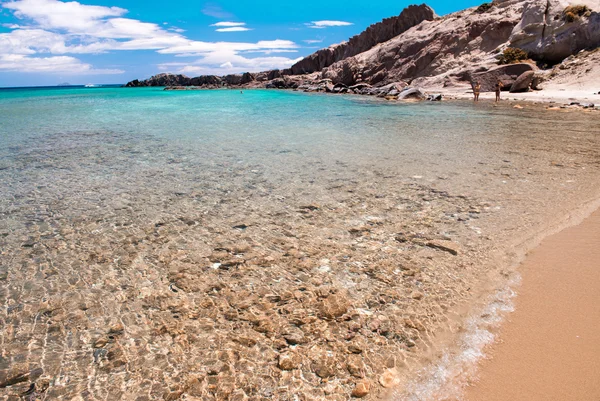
[529, 45]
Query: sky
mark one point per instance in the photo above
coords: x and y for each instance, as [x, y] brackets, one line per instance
[49, 42]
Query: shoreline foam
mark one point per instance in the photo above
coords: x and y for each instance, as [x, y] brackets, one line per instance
[451, 373]
[549, 347]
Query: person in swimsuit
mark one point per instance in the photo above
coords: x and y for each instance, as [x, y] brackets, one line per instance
[476, 90]
[499, 87]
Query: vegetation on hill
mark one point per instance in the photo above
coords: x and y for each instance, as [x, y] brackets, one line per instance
[484, 8]
[512, 55]
[573, 13]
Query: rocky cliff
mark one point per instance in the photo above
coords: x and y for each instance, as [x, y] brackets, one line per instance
[421, 49]
[375, 34]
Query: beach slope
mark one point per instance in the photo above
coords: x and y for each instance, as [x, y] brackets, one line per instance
[550, 347]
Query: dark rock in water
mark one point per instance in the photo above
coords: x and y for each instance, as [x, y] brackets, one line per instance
[507, 74]
[32, 375]
[361, 390]
[164, 79]
[206, 80]
[523, 82]
[411, 93]
[435, 98]
[443, 247]
[134, 84]
[334, 306]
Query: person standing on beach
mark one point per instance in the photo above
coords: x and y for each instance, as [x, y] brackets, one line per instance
[499, 87]
[476, 90]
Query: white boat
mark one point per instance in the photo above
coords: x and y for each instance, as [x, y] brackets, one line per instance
[90, 86]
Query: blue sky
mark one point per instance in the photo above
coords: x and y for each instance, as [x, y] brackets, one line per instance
[47, 42]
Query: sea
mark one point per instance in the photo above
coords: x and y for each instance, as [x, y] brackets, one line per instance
[182, 244]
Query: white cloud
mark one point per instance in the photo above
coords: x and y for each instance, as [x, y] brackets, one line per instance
[228, 24]
[313, 41]
[228, 63]
[216, 11]
[54, 65]
[54, 27]
[233, 29]
[194, 48]
[326, 24]
[32, 41]
[71, 16]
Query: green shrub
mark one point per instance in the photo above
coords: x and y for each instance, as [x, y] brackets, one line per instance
[573, 13]
[512, 55]
[484, 8]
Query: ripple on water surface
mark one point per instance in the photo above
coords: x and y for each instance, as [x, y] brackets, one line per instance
[217, 245]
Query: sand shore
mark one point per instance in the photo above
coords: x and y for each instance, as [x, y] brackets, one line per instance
[558, 96]
[549, 349]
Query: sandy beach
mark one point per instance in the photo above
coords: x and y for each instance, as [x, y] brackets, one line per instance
[549, 349]
[552, 97]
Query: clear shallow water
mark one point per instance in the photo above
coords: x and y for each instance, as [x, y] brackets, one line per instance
[113, 197]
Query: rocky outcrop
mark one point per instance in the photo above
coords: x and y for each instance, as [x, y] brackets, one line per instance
[423, 50]
[206, 80]
[523, 82]
[164, 79]
[378, 33]
[434, 52]
[550, 32]
[507, 74]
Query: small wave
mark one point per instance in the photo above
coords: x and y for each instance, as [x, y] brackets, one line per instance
[446, 378]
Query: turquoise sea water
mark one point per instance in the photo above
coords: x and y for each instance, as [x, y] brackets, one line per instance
[221, 116]
[130, 219]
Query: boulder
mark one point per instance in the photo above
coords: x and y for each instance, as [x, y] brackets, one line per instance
[278, 83]
[247, 78]
[361, 389]
[508, 74]
[523, 82]
[392, 89]
[411, 94]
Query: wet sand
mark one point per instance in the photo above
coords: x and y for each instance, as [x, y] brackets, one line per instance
[550, 347]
